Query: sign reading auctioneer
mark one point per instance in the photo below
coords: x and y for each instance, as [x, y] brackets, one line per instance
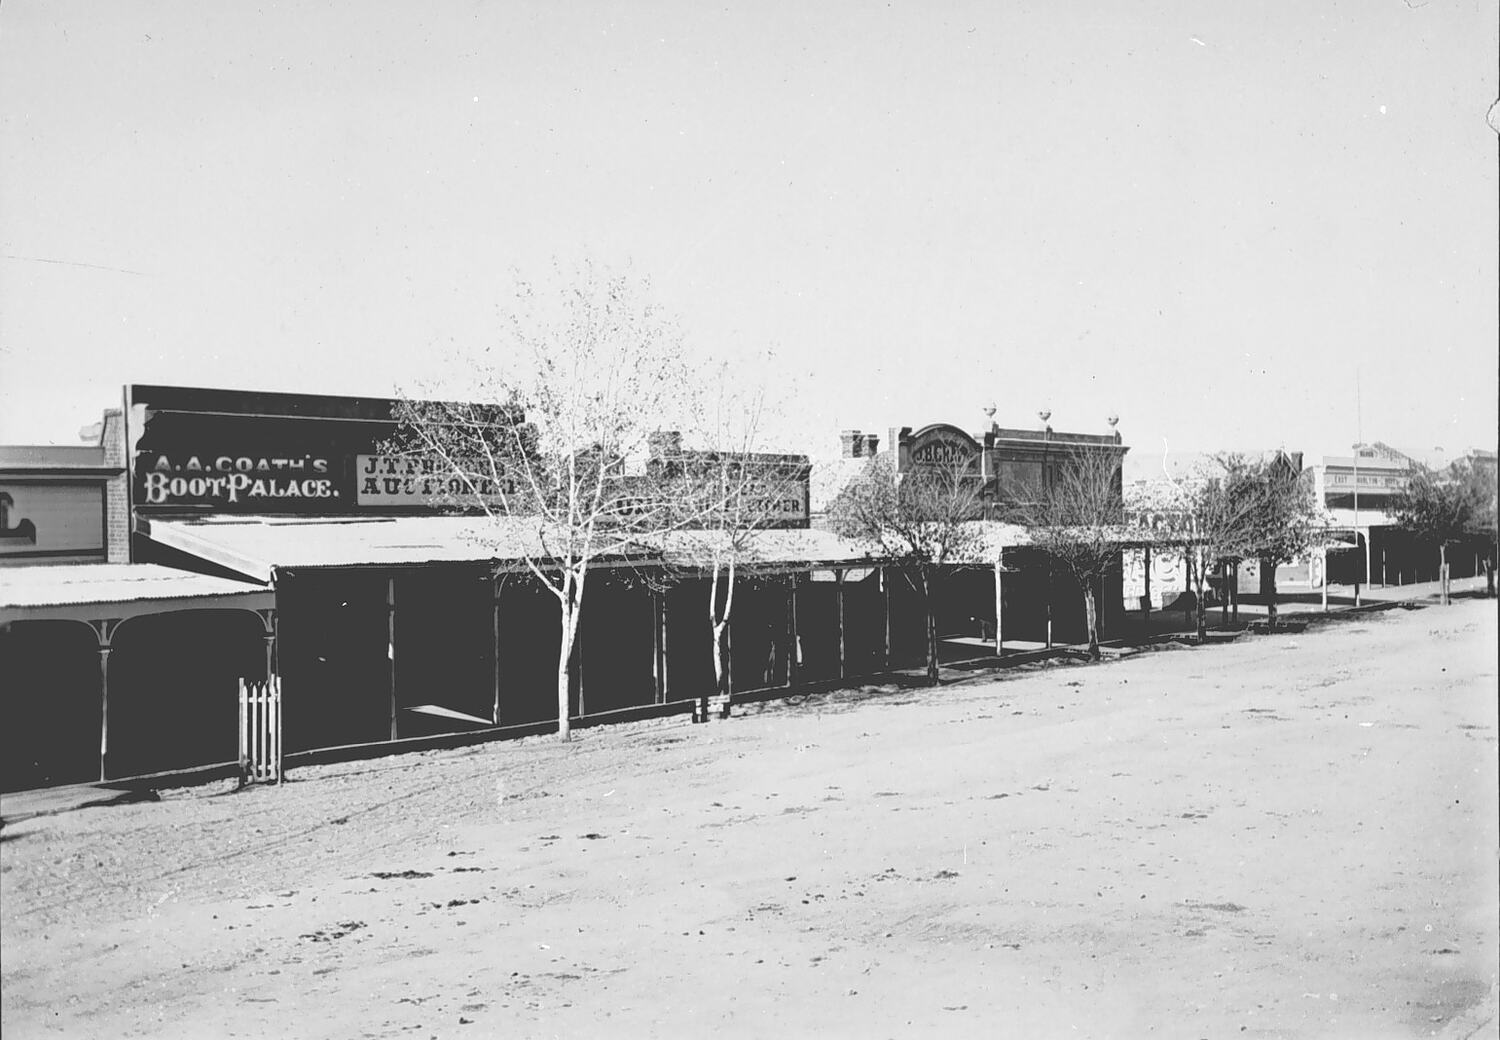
[393, 482]
[197, 451]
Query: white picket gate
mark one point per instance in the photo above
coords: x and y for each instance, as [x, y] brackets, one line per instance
[260, 731]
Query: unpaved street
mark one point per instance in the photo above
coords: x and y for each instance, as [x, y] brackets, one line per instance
[1288, 836]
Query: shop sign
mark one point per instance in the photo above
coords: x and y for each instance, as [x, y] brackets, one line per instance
[391, 481]
[784, 504]
[51, 521]
[248, 482]
[943, 445]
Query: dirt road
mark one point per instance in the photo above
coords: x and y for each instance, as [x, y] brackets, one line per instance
[1290, 836]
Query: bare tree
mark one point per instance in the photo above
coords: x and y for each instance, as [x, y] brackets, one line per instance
[922, 520]
[731, 493]
[1285, 518]
[1076, 520]
[1214, 525]
[597, 369]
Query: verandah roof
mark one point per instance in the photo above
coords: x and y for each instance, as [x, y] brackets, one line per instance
[91, 590]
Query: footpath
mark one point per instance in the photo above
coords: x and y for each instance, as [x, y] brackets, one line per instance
[22, 805]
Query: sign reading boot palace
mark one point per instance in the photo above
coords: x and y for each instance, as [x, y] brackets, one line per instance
[223, 480]
[199, 452]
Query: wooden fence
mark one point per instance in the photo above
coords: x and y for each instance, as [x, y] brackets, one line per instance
[260, 731]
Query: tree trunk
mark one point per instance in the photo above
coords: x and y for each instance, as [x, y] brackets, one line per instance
[932, 639]
[1201, 607]
[570, 597]
[564, 674]
[1091, 616]
[1271, 599]
[1443, 572]
[719, 625]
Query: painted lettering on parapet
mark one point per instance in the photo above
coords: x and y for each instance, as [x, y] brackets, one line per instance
[169, 479]
[389, 480]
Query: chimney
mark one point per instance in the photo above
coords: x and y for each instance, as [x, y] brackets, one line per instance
[851, 444]
[664, 444]
[872, 445]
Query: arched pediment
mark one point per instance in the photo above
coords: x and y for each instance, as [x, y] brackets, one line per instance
[941, 444]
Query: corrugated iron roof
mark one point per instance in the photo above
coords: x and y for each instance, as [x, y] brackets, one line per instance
[254, 545]
[794, 545]
[75, 584]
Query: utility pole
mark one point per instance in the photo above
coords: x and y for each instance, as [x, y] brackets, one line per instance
[1359, 437]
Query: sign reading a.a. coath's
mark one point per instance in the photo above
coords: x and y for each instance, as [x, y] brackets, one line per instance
[201, 451]
[253, 483]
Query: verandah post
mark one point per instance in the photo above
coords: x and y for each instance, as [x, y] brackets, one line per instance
[658, 644]
[999, 601]
[794, 653]
[838, 595]
[1051, 591]
[104, 633]
[244, 777]
[390, 634]
[1325, 579]
[495, 645]
[1146, 588]
[885, 596]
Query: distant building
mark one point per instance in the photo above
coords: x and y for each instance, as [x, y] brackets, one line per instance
[1007, 460]
[64, 504]
[1360, 492]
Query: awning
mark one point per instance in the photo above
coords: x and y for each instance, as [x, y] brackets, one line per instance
[92, 591]
[254, 546]
[769, 548]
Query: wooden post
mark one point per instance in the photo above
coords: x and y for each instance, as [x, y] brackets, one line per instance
[1146, 599]
[578, 659]
[658, 635]
[1000, 602]
[390, 634]
[661, 618]
[794, 652]
[268, 621]
[104, 652]
[244, 745]
[1443, 573]
[104, 632]
[838, 598]
[1051, 591]
[495, 643]
[885, 595]
[274, 682]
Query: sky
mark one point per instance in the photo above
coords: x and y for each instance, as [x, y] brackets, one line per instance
[1232, 225]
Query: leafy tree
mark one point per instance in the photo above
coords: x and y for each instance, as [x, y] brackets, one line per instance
[922, 520]
[1285, 519]
[1214, 525]
[1447, 508]
[1077, 521]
